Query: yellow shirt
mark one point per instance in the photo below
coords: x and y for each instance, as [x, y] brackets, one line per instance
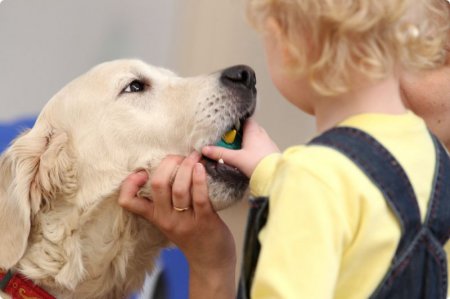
[330, 233]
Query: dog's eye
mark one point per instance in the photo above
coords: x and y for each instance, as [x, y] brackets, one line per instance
[134, 86]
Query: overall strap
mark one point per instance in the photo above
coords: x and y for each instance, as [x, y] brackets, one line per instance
[257, 218]
[383, 170]
[438, 217]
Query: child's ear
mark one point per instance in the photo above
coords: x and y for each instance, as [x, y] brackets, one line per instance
[273, 27]
[276, 36]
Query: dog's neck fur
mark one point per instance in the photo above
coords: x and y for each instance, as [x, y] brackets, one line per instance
[70, 243]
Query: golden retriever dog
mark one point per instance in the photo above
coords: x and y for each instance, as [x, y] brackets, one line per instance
[60, 221]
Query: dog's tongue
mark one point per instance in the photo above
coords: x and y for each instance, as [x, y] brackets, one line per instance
[231, 139]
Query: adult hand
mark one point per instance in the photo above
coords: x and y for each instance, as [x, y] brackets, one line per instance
[181, 209]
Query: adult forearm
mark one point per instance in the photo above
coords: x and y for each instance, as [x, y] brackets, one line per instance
[217, 284]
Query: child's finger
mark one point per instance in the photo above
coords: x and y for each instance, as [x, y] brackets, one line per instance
[252, 130]
[220, 153]
[250, 124]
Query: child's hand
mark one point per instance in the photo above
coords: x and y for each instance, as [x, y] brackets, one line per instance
[198, 230]
[256, 145]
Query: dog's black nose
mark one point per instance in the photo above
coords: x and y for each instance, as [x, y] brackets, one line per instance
[239, 76]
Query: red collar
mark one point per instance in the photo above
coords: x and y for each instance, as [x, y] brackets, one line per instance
[20, 287]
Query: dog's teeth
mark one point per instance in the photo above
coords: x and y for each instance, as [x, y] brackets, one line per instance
[221, 161]
[237, 125]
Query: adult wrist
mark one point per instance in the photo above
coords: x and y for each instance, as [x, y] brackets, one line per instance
[218, 283]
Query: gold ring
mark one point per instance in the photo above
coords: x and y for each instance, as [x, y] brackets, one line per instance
[181, 209]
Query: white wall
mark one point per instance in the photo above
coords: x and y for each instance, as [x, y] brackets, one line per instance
[46, 43]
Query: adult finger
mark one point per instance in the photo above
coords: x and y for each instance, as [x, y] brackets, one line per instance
[181, 197]
[161, 183]
[128, 198]
[200, 200]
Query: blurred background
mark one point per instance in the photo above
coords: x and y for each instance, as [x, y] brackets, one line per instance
[45, 44]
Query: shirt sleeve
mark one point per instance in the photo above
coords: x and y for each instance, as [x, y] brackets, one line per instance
[304, 238]
[262, 175]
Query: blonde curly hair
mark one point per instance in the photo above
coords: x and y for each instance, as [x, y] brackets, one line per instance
[347, 37]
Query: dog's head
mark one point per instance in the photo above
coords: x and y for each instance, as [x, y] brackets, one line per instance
[118, 117]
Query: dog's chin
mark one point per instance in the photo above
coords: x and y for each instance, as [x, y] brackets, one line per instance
[226, 184]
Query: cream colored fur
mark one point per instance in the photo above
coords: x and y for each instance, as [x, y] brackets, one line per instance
[60, 222]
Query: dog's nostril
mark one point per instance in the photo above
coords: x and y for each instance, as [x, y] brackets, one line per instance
[240, 75]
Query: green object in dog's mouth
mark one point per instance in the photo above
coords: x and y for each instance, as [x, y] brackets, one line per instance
[232, 139]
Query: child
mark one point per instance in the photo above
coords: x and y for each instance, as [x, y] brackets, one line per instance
[337, 223]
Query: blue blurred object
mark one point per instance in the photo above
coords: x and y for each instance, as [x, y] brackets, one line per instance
[10, 130]
[175, 273]
[169, 280]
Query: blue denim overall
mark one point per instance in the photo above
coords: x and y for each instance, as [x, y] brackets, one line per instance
[419, 267]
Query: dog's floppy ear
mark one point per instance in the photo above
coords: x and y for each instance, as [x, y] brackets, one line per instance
[33, 171]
